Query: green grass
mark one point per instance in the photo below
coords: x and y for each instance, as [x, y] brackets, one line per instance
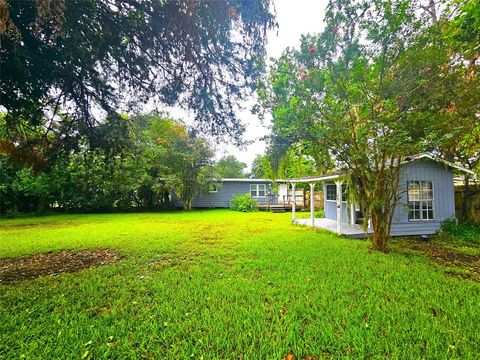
[236, 285]
[462, 232]
[305, 214]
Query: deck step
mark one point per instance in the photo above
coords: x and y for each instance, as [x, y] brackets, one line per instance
[278, 208]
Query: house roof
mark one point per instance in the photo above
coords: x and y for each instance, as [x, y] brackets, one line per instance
[338, 173]
[251, 180]
[432, 157]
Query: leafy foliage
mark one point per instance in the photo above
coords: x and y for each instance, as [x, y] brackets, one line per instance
[261, 168]
[229, 167]
[244, 203]
[293, 163]
[453, 97]
[365, 92]
[152, 155]
[84, 56]
[463, 231]
[190, 167]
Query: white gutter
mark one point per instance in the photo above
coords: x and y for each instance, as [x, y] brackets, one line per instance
[314, 178]
[446, 162]
[250, 180]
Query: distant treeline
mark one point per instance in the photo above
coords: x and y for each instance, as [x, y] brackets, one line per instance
[123, 164]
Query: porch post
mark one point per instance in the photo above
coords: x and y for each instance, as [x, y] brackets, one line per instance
[312, 203]
[293, 202]
[339, 206]
[352, 214]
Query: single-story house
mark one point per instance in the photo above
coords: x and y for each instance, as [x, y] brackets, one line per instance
[426, 199]
[261, 190]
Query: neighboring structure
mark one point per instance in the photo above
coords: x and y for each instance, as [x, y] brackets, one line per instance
[426, 199]
[221, 196]
[460, 194]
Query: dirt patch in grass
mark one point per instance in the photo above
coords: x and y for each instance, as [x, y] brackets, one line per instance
[53, 263]
[458, 263]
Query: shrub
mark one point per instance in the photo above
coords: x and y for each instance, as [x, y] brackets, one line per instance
[244, 203]
[11, 213]
[463, 231]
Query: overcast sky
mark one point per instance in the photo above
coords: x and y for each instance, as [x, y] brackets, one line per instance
[295, 17]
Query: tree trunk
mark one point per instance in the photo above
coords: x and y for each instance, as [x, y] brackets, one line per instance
[42, 204]
[380, 230]
[187, 204]
[432, 10]
[466, 196]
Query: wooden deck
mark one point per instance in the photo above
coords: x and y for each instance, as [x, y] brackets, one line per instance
[348, 230]
[277, 208]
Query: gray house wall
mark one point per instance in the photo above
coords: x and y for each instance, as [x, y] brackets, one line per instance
[443, 197]
[223, 197]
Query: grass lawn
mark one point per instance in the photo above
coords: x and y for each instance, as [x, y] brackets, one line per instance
[225, 285]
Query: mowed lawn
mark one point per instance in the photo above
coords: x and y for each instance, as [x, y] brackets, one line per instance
[225, 285]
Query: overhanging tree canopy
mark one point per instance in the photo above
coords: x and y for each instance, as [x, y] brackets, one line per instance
[361, 90]
[90, 55]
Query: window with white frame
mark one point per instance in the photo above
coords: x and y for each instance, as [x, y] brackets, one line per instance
[331, 192]
[213, 188]
[420, 200]
[257, 190]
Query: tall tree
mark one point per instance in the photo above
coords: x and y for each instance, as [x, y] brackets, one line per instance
[295, 164]
[262, 168]
[352, 91]
[230, 167]
[190, 166]
[454, 95]
[183, 159]
[131, 163]
[88, 57]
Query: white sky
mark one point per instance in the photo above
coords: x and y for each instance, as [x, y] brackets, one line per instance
[294, 17]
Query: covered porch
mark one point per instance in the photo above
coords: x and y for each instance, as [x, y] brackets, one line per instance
[343, 218]
[348, 230]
